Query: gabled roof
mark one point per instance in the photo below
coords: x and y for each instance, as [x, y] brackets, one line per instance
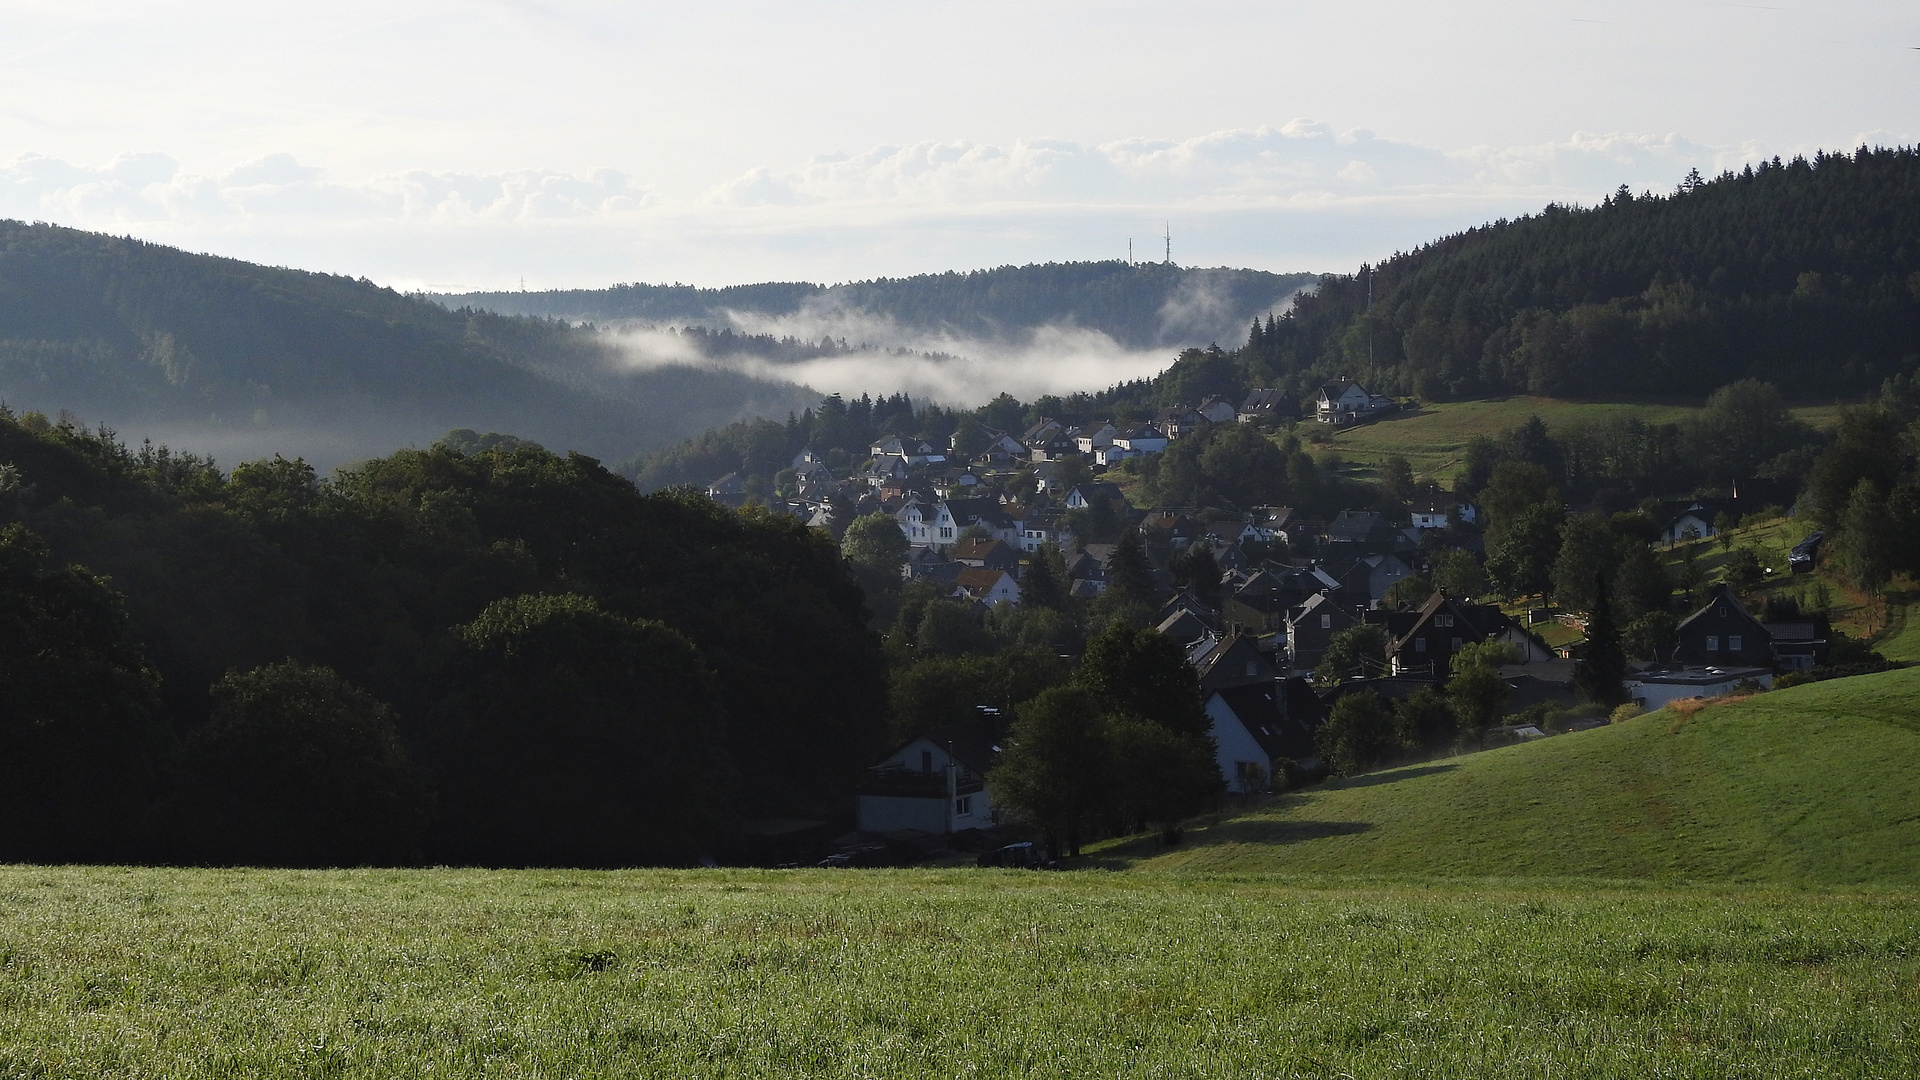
[970, 744]
[1719, 594]
[979, 580]
[994, 550]
[1206, 659]
[1353, 525]
[1262, 708]
[1333, 391]
[1265, 401]
[1184, 627]
[1319, 604]
[967, 511]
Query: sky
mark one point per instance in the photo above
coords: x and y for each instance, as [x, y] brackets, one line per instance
[483, 144]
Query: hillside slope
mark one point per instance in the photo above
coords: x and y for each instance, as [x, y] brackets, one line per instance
[219, 355]
[1815, 784]
[1806, 274]
[1139, 305]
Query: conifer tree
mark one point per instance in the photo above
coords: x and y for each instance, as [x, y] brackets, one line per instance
[1604, 664]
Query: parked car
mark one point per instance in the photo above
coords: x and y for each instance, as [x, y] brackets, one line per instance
[1800, 560]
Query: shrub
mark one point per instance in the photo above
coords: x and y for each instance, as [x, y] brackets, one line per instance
[1623, 713]
[297, 767]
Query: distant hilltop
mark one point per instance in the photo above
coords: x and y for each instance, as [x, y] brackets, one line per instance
[1138, 305]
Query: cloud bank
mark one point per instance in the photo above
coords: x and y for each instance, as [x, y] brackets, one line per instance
[885, 358]
[1292, 197]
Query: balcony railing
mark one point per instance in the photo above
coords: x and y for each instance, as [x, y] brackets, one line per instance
[915, 784]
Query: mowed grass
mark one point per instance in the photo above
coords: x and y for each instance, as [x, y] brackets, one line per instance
[451, 973]
[1814, 785]
[1434, 438]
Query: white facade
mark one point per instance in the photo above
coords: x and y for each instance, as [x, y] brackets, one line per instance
[1654, 690]
[916, 523]
[949, 797]
[1098, 439]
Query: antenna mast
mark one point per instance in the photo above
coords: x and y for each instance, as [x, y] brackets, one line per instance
[1169, 228]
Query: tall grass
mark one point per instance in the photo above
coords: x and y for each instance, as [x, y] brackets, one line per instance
[182, 973]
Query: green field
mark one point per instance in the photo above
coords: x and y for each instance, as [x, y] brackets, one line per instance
[180, 973]
[1735, 892]
[1434, 438]
[1816, 785]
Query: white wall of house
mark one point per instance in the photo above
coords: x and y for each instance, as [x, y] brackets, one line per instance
[885, 813]
[1234, 745]
[1530, 650]
[1654, 693]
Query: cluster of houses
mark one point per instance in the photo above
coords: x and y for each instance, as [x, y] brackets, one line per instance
[1255, 651]
[1290, 583]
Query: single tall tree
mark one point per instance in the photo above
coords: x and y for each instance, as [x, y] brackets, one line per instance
[1053, 772]
[1603, 666]
[1143, 672]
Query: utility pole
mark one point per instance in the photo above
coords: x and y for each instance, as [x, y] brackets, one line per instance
[1369, 318]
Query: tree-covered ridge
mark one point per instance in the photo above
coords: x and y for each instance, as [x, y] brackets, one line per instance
[132, 333]
[1782, 272]
[1139, 305]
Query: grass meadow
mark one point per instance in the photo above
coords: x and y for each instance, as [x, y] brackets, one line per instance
[1434, 437]
[455, 973]
[1814, 786]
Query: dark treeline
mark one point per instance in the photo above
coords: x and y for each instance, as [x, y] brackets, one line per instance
[1139, 305]
[1773, 273]
[480, 652]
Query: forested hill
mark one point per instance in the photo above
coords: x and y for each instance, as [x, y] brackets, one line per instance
[217, 355]
[1140, 305]
[1805, 274]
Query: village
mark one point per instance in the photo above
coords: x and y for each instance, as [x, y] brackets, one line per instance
[1290, 587]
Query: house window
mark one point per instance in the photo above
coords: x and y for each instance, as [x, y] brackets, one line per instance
[963, 806]
[1456, 644]
[946, 532]
[1733, 643]
[1713, 643]
[1253, 668]
[926, 761]
[1443, 620]
[1326, 622]
[1419, 644]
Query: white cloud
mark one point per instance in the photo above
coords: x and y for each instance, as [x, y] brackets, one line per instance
[1298, 196]
[151, 188]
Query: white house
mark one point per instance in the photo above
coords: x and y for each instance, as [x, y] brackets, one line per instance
[1695, 522]
[1145, 439]
[1090, 439]
[916, 523]
[1432, 511]
[951, 517]
[1341, 402]
[935, 783]
[1253, 727]
[989, 587]
[1082, 496]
